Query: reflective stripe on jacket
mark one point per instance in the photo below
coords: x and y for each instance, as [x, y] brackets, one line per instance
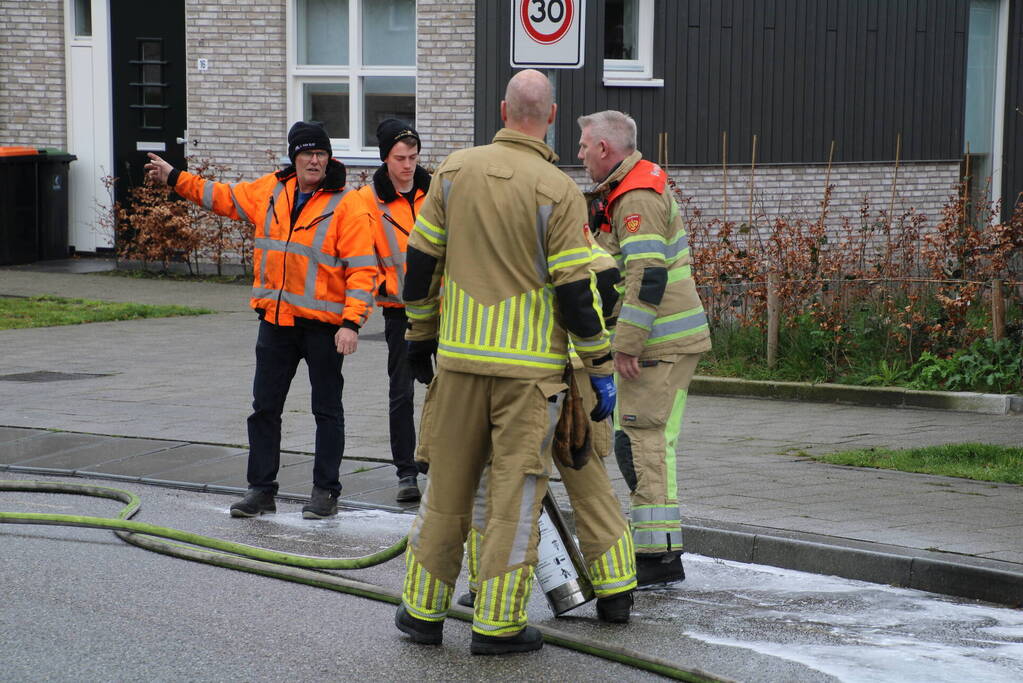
[321, 265]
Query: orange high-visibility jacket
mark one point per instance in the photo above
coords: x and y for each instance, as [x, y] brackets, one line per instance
[321, 265]
[394, 220]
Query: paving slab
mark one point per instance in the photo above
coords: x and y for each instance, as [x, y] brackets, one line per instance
[92, 452]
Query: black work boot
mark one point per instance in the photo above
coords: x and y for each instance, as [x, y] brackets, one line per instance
[526, 640]
[615, 609]
[467, 599]
[408, 490]
[419, 630]
[255, 503]
[659, 568]
[322, 503]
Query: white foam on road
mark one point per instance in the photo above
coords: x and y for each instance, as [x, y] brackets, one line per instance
[852, 630]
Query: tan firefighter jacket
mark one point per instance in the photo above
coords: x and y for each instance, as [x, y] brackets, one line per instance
[504, 230]
[660, 312]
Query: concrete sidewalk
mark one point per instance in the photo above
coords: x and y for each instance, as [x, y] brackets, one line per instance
[165, 401]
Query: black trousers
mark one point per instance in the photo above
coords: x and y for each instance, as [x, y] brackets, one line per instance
[278, 351]
[400, 393]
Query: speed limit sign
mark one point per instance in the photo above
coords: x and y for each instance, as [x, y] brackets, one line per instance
[547, 33]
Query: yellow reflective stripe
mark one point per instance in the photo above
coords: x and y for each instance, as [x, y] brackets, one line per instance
[683, 273]
[424, 596]
[430, 231]
[569, 258]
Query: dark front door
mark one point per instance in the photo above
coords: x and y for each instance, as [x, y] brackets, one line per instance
[147, 43]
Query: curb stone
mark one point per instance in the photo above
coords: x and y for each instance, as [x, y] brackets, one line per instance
[884, 397]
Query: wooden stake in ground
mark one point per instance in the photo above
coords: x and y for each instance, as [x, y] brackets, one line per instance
[827, 182]
[772, 319]
[997, 311]
[895, 179]
[724, 177]
[752, 181]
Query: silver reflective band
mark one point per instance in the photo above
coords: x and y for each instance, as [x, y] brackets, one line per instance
[207, 195]
[668, 513]
[665, 329]
[637, 316]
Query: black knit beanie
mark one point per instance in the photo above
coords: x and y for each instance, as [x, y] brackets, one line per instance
[390, 131]
[307, 135]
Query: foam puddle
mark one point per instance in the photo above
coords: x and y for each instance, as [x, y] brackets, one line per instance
[852, 630]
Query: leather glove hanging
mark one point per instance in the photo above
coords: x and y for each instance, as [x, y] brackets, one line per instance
[572, 444]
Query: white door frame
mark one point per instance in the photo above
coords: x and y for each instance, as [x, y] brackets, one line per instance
[89, 127]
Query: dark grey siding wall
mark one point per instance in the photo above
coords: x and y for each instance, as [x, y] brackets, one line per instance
[1012, 162]
[797, 73]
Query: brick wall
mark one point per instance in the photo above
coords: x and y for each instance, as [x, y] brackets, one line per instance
[32, 82]
[796, 191]
[237, 109]
[446, 76]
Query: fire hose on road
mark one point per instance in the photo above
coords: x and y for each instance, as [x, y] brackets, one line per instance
[290, 567]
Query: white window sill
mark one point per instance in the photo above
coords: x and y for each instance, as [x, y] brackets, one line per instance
[611, 81]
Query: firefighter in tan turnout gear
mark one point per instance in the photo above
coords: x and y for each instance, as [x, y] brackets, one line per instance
[660, 333]
[604, 535]
[504, 228]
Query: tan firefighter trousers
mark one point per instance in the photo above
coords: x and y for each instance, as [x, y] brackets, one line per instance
[650, 411]
[467, 421]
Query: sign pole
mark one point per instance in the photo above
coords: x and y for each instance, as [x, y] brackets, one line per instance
[552, 76]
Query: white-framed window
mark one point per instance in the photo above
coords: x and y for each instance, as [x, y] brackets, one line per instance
[82, 12]
[351, 64]
[629, 43]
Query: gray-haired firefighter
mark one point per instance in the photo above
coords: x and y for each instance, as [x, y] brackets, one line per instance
[504, 228]
[604, 535]
[660, 333]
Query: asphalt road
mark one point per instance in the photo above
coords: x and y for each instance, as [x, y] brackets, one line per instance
[81, 605]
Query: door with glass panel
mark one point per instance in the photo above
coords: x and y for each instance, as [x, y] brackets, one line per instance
[352, 64]
[147, 55]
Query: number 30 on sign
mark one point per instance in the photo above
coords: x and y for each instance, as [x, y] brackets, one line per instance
[547, 33]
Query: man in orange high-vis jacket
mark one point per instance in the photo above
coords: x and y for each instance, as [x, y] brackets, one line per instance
[315, 273]
[398, 189]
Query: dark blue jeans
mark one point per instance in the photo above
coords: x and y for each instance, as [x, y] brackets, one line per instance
[400, 394]
[278, 351]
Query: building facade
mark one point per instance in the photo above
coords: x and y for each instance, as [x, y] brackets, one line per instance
[751, 103]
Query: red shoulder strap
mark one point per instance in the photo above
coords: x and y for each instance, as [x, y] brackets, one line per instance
[645, 175]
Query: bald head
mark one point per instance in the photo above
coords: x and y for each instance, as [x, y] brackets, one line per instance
[528, 104]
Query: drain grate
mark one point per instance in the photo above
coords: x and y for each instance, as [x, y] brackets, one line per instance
[49, 376]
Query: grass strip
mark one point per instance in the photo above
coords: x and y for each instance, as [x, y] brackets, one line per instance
[982, 462]
[51, 311]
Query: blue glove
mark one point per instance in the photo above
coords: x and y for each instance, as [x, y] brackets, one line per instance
[604, 388]
[420, 356]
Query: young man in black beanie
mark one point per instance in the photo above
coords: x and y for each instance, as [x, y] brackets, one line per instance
[310, 227]
[395, 195]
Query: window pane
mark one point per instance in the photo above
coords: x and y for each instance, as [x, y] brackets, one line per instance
[389, 32]
[322, 32]
[152, 95]
[327, 103]
[83, 17]
[152, 119]
[151, 73]
[621, 29]
[982, 54]
[384, 97]
[151, 50]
